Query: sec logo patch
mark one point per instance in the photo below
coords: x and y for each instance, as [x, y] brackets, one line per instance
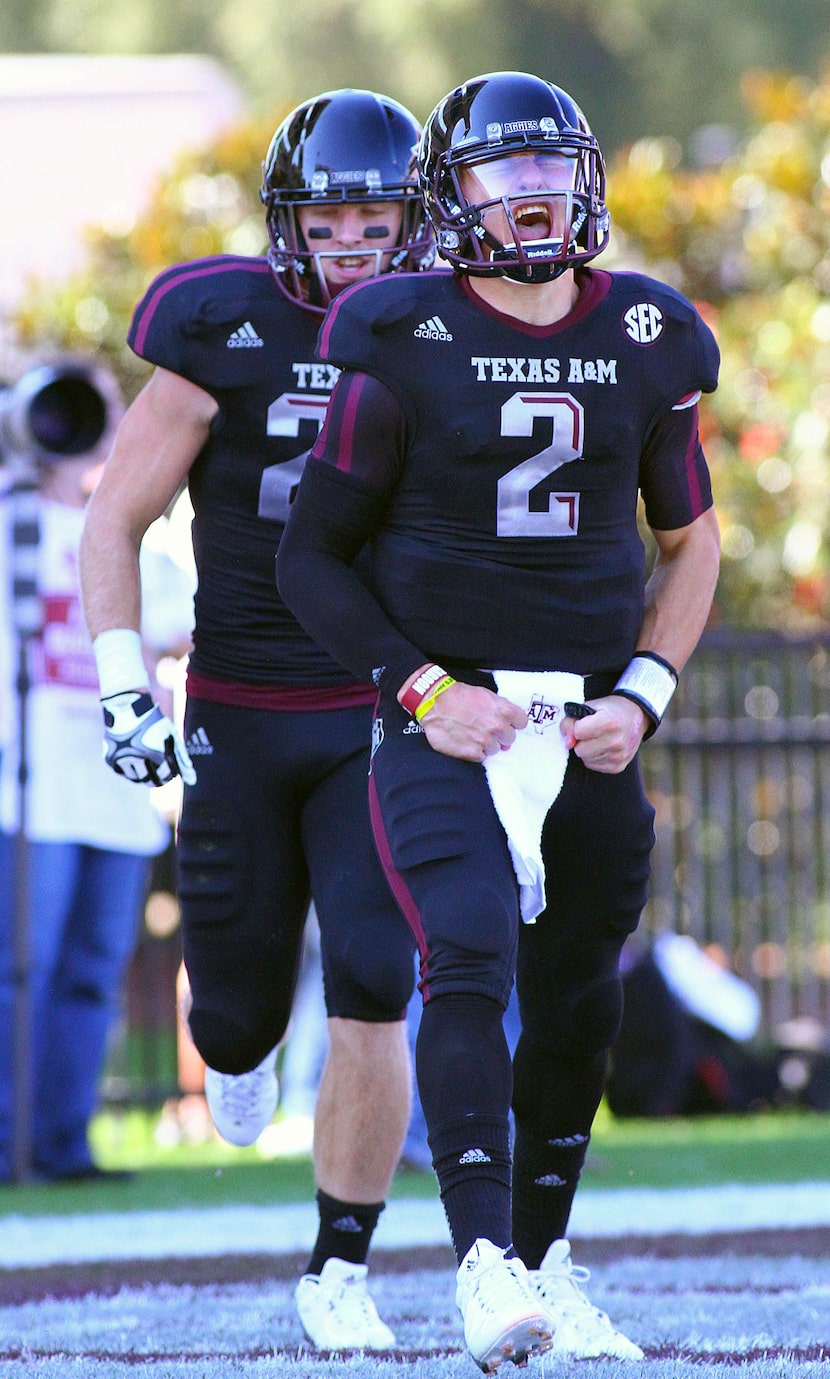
[643, 323]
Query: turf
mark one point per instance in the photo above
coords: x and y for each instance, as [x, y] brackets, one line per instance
[721, 1312]
[786, 1147]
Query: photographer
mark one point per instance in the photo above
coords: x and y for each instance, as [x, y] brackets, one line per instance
[89, 836]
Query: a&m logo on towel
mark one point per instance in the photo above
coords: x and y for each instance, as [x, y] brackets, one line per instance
[542, 714]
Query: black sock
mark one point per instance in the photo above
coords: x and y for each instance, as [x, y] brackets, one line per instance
[464, 1078]
[471, 1156]
[554, 1102]
[345, 1231]
[545, 1178]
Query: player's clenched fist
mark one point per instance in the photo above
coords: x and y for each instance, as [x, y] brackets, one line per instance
[472, 722]
[141, 743]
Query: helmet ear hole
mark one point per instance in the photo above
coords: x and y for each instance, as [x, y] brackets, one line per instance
[485, 122]
[347, 146]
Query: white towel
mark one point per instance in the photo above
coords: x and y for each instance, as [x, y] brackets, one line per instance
[525, 780]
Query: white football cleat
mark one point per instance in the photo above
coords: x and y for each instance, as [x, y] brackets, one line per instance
[242, 1104]
[337, 1311]
[503, 1318]
[580, 1330]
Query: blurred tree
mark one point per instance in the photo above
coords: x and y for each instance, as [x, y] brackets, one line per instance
[638, 67]
[748, 239]
[208, 204]
[750, 243]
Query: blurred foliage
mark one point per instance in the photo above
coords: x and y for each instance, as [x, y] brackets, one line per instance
[746, 237]
[749, 241]
[207, 204]
[639, 66]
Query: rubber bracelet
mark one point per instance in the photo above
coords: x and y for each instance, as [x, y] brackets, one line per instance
[428, 703]
[423, 684]
[120, 662]
[649, 681]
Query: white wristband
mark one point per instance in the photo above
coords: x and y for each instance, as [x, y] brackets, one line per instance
[649, 681]
[119, 661]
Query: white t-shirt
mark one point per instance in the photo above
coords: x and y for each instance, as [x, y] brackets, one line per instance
[72, 795]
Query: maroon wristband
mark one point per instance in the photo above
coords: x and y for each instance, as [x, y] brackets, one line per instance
[424, 681]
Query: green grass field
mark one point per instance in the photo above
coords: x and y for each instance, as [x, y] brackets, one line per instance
[771, 1147]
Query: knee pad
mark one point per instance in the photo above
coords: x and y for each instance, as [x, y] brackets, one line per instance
[584, 1021]
[471, 934]
[226, 1046]
[372, 981]
[472, 914]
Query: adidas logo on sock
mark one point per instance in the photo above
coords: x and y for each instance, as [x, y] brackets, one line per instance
[549, 1180]
[245, 338]
[475, 1156]
[347, 1223]
[433, 329]
[199, 744]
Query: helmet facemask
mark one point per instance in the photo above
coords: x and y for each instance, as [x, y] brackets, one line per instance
[298, 259]
[530, 210]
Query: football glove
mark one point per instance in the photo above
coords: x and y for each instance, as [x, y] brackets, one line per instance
[141, 743]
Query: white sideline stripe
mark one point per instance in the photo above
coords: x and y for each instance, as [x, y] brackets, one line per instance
[406, 1223]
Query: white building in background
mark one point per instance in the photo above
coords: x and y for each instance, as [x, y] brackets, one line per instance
[81, 141]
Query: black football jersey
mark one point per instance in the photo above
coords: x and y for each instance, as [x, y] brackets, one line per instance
[224, 324]
[508, 536]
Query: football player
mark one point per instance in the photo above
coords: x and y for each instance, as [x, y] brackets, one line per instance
[274, 754]
[491, 433]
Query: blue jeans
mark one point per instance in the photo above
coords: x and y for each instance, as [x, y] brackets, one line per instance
[84, 906]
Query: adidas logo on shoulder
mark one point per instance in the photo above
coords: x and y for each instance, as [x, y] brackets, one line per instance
[245, 338]
[475, 1156]
[433, 329]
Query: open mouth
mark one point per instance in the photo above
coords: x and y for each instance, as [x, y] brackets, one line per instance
[533, 220]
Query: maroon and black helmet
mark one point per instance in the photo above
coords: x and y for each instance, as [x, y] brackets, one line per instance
[479, 124]
[342, 146]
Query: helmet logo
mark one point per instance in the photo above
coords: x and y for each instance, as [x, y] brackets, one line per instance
[347, 177]
[496, 132]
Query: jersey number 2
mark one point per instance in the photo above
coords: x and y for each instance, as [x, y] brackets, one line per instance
[513, 512]
[279, 481]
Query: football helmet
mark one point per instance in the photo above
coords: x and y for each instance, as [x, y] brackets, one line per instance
[513, 179]
[342, 146]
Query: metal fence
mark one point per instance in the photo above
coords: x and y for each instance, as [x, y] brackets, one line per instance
[739, 775]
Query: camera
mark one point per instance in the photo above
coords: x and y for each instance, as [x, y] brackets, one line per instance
[58, 411]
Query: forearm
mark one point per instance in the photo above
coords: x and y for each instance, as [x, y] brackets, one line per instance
[678, 599]
[110, 578]
[679, 593]
[160, 436]
[329, 522]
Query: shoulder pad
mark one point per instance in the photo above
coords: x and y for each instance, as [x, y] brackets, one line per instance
[359, 316]
[190, 301]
